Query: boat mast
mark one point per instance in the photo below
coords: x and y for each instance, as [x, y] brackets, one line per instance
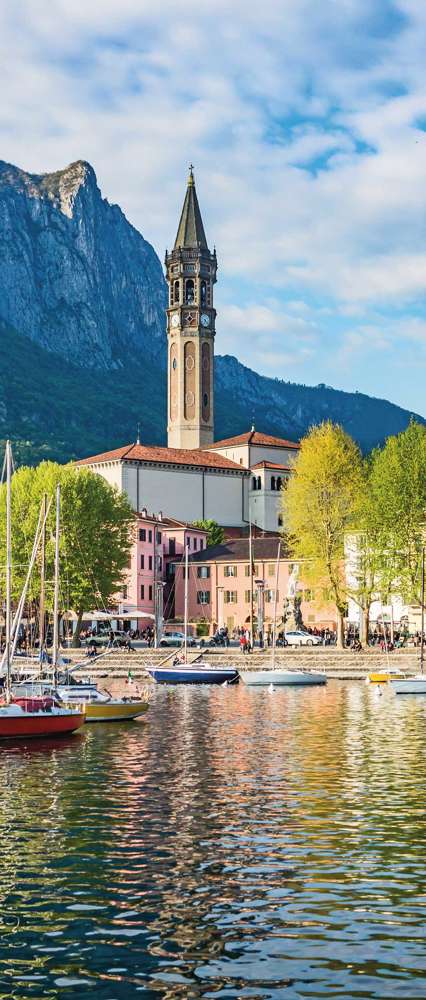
[56, 586]
[274, 623]
[422, 639]
[42, 579]
[8, 617]
[251, 582]
[185, 640]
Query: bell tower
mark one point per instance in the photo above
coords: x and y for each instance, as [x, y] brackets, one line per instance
[191, 274]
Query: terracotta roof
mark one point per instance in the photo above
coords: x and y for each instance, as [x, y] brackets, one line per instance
[161, 456]
[256, 437]
[168, 522]
[237, 550]
[272, 465]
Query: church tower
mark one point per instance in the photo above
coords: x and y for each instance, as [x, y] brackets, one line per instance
[191, 274]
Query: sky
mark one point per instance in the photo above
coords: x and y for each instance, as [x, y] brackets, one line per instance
[306, 124]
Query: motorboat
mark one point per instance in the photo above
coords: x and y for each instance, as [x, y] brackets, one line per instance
[193, 673]
[32, 717]
[282, 678]
[416, 684]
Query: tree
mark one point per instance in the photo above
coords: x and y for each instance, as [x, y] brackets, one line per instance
[96, 535]
[319, 508]
[398, 510]
[215, 533]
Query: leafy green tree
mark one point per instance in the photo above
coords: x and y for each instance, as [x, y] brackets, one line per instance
[96, 535]
[397, 511]
[215, 533]
[320, 506]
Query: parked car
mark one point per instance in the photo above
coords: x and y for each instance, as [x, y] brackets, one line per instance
[103, 638]
[176, 639]
[300, 638]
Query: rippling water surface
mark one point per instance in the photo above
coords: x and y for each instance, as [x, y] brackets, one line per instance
[239, 843]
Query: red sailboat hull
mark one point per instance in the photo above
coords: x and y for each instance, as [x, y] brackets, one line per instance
[30, 725]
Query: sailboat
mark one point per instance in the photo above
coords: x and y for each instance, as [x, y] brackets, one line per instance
[95, 706]
[198, 672]
[415, 684]
[26, 717]
[274, 676]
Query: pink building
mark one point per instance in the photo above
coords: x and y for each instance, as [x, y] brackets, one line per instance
[219, 585]
[158, 546]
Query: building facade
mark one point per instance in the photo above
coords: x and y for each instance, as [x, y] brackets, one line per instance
[219, 586]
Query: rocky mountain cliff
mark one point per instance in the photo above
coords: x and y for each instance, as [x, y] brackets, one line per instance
[75, 276]
[79, 284]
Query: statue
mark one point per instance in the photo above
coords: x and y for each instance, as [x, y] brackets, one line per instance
[292, 582]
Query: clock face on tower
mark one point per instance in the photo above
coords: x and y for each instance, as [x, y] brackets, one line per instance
[205, 319]
[175, 319]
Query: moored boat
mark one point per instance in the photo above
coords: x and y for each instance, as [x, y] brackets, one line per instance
[17, 722]
[416, 684]
[195, 673]
[98, 706]
[281, 678]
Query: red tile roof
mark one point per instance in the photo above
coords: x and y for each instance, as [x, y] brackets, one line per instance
[168, 522]
[272, 465]
[255, 437]
[161, 456]
[238, 550]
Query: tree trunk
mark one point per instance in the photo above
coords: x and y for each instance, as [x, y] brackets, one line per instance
[76, 637]
[365, 625]
[340, 630]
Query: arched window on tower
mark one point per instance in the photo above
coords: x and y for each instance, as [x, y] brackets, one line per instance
[189, 292]
[272, 482]
[253, 483]
[279, 483]
[176, 293]
[259, 483]
[203, 293]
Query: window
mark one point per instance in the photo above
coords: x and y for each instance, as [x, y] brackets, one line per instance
[194, 543]
[124, 593]
[280, 520]
[189, 292]
[203, 572]
[203, 597]
[203, 293]
[149, 562]
[150, 535]
[150, 593]
[230, 571]
[159, 564]
[142, 562]
[255, 570]
[142, 591]
[158, 537]
[142, 534]
[176, 293]
[170, 570]
[271, 569]
[272, 482]
[279, 483]
[270, 596]
[172, 546]
[230, 596]
[259, 483]
[254, 483]
[247, 596]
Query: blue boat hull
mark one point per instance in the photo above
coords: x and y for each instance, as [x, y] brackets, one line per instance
[185, 675]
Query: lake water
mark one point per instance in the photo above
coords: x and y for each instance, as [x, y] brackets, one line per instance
[239, 843]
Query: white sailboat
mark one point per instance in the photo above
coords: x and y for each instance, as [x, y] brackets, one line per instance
[276, 676]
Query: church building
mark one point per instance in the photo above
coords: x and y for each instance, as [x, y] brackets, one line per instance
[230, 481]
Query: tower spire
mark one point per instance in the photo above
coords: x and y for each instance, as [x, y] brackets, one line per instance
[191, 233]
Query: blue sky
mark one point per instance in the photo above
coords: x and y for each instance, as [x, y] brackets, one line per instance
[306, 122]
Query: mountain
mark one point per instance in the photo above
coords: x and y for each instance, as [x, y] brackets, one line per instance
[82, 335]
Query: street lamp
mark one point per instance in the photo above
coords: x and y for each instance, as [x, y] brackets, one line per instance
[260, 586]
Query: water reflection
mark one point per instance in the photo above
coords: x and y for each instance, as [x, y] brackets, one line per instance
[237, 844]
